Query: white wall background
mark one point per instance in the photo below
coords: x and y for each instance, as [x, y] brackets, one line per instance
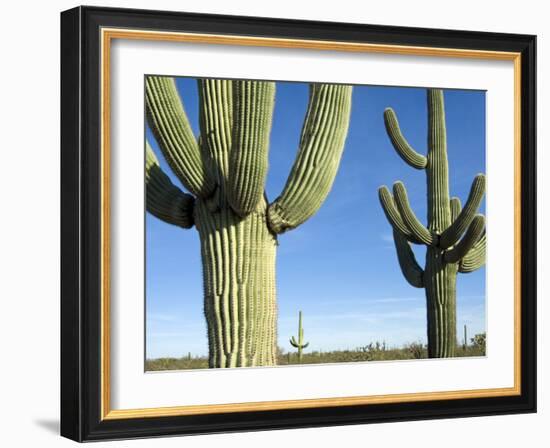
[29, 228]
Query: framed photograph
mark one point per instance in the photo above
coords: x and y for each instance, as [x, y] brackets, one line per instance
[276, 224]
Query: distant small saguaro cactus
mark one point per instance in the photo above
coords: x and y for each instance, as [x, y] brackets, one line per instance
[454, 236]
[299, 344]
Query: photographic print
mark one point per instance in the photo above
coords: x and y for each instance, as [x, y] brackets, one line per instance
[252, 201]
[295, 223]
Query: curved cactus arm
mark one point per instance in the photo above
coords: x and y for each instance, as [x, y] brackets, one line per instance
[321, 145]
[163, 199]
[171, 128]
[248, 161]
[215, 122]
[393, 215]
[401, 145]
[472, 235]
[475, 258]
[453, 233]
[297, 344]
[456, 208]
[407, 261]
[417, 229]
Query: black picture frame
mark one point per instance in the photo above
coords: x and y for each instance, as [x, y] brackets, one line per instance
[81, 224]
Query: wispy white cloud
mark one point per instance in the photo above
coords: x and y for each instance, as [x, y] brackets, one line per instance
[387, 241]
[363, 316]
[368, 301]
[167, 334]
[395, 299]
[161, 317]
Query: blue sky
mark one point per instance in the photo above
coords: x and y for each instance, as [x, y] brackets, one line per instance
[340, 267]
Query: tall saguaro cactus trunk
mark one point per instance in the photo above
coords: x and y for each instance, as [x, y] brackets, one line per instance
[238, 257]
[455, 237]
[225, 171]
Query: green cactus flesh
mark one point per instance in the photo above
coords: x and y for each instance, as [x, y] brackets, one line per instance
[299, 344]
[455, 237]
[225, 171]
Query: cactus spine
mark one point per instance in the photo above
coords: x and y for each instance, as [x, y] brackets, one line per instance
[224, 170]
[455, 236]
[299, 344]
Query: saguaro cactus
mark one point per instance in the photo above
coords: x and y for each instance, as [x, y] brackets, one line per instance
[225, 171]
[455, 237]
[299, 344]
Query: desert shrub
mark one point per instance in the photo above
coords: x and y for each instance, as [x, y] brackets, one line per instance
[480, 341]
[417, 350]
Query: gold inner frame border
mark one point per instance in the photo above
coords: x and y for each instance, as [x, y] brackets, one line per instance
[107, 35]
